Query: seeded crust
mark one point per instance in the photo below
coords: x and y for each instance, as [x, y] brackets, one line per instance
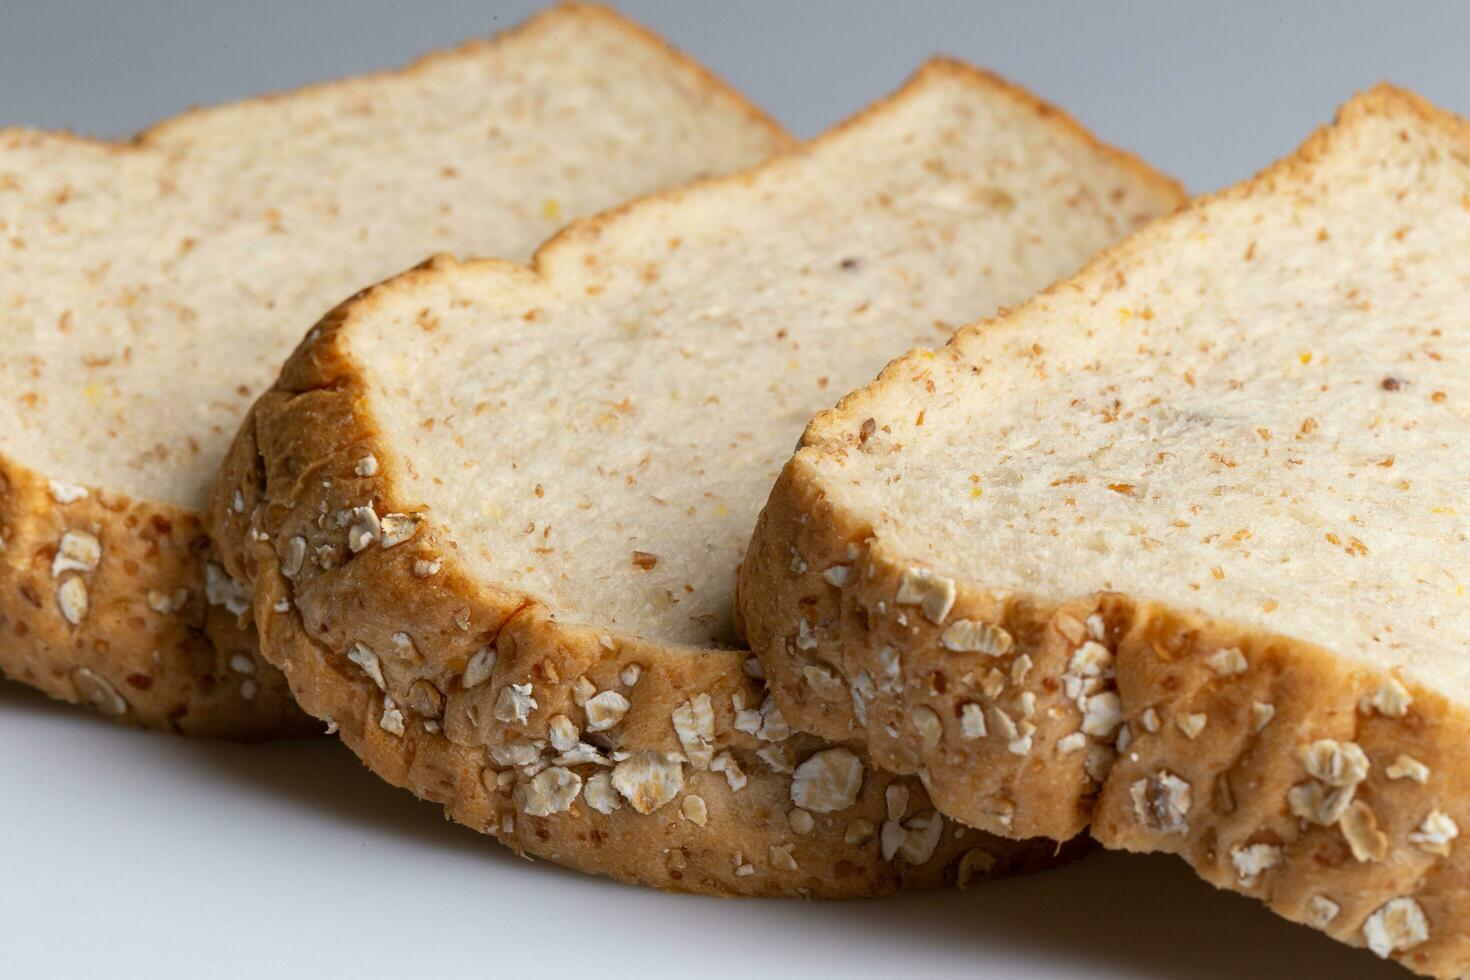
[1327, 788]
[299, 457]
[154, 634]
[626, 750]
[150, 649]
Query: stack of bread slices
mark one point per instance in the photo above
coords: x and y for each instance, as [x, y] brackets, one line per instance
[1167, 549]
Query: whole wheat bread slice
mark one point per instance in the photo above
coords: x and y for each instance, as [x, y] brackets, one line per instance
[492, 513]
[151, 289]
[1179, 547]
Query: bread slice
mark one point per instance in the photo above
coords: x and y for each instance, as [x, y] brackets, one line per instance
[152, 288]
[491, 514]
[1179, 547]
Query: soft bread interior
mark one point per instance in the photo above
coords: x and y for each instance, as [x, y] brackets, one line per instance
[1257, 409]
[601, 431]
[150, 291]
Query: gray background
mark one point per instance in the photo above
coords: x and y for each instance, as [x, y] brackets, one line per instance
[145, 856]
[1207, 92]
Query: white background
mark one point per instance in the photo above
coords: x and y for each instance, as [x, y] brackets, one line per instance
[129, 855]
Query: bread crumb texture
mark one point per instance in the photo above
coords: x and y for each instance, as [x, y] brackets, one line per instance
[1179, 548]
[575, 452]
[150, 290]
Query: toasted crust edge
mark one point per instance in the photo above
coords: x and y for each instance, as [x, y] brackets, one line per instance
[1161, 659]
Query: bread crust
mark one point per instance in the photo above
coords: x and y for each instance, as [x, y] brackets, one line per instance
[424, 619]
[193, 669]
[149, 650]
[1215, 721]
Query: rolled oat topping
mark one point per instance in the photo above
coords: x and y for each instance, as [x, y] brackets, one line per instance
[605, 710]
[294, 557]
[858, 832]
[694, 724]
[933, 594]
[66, 493]
[1228, 662]
[94, 689]
[973, 636]
[1336, 763]
[365, 658]
[562, 733]
[1192, 724]
[391, 720]
[1407, 767]
[364, 529]
[1397, 925]
[72, 600]
[926, 722]
[479, 668]
[1321, 911]
[1318, 803]
[515, 703]
[1436, 834]
[551, 791]
[1392, 699]
[648, 779]
[1253, 860]
[222, 590]
[972, 721]
[1360, 827]
[1162, 802]
[398, 528]
[601, 795]
[838, 575]
[695, 810]
[734, 776]
[827, 781]
[77, 552]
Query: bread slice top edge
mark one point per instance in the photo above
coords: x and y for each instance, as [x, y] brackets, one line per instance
[222, 119]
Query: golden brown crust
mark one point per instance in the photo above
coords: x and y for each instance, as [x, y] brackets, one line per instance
[1173, 671]
[149, 649]
[172, 670]
[423, 620]
[1202, 734]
